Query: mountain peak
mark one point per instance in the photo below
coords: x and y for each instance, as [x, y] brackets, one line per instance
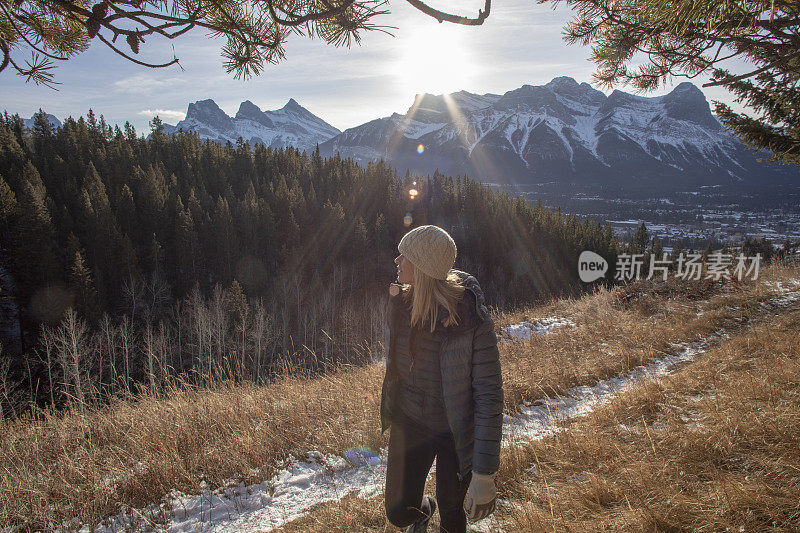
[249, 104]
[208, 103]
[428, 108]
[584, 93]
[250, 111]
[563, 82]
[292, 125]
[208, 112]
[687, 102]
[429, 101]
[51, 118]
[687, 88]
[292, 105]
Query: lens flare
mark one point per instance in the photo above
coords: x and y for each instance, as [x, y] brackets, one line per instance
[420, 149]
[407, 220]
[362, 457]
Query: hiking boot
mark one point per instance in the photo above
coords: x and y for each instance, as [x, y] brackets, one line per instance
[422, 525]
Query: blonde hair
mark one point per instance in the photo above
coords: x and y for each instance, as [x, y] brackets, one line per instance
[427, 293]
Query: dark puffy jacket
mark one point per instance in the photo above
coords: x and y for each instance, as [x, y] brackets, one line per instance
[472, 386]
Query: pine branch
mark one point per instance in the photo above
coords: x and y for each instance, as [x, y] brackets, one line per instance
[729, 80]
[455, 19]
[11, 21]
[302, 19]
[6, 54]
[133, 59]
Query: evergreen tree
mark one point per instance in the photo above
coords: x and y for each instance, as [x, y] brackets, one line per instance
[126, 210]
[224, 240]
[640, 240]
[753, 246]
[8, 207]
[157, 127]
[187, 252]
[80, 279]
[239, 312]
[36, 260]
[656, 249]
[41, 124]
[678, 249]
[130, 131]
[155, 256]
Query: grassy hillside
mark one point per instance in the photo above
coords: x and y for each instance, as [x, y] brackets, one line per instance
[712, 446]
[709, 447]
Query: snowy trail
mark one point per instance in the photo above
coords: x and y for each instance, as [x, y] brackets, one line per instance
[321, 478]
[317, 478]
[542, 417]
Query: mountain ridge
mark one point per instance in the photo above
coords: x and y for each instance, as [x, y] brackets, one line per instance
[291, 125]
[563, 131]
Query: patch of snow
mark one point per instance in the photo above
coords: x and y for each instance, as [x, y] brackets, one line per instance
[792, 284]
[468, 102]
[414, 129]
[264, 506]
[783, 301]
[787, 290]
[525, 330]
[584, 129]
[490, 524]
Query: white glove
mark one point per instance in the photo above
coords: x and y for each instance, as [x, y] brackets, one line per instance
[481, 496]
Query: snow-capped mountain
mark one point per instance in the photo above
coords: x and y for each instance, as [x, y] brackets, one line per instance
[562, 131]
[50, 118]
[291, 125]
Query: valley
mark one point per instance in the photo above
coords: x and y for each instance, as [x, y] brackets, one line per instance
[721, 215]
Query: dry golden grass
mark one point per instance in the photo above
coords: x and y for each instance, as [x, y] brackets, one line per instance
[712, 448]
[351, 514]
[616, 330]
[64, 467]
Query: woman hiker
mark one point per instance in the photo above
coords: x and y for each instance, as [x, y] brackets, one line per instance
[442, 394]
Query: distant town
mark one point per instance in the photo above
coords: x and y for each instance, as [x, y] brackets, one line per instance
[708, 214]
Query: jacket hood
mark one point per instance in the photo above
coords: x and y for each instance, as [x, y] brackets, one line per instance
[471, 309]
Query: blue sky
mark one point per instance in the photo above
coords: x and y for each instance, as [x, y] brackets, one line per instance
[521, 42]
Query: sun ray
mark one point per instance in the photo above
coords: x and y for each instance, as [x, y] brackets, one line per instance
[435, 60]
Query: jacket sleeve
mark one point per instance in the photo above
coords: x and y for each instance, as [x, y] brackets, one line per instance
[487, 387]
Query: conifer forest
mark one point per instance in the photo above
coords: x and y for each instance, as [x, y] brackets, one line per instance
[130, 262]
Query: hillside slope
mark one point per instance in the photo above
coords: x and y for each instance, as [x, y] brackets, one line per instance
[130, 460]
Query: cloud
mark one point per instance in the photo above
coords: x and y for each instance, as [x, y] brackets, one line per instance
[164, 113]
[145, 84]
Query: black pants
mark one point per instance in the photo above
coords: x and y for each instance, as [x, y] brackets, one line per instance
[412, 449]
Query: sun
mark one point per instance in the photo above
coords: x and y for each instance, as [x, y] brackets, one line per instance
[434, 59]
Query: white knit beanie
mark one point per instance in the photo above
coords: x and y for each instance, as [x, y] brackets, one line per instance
[430, 249]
